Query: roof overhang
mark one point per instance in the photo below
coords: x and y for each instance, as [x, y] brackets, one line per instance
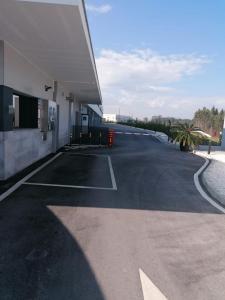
[54, 35]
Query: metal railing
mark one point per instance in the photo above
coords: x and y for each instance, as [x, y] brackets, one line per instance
[91, 136]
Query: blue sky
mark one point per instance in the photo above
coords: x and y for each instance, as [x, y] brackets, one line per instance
[159, 56]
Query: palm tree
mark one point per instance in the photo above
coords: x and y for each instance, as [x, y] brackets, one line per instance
[188, 136]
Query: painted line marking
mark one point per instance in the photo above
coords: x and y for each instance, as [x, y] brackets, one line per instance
[201, 190]
[150, 291]
[69, 186]
[86, 154]
[135, 133]
[112, 175]
[22, 181]
[114, 185]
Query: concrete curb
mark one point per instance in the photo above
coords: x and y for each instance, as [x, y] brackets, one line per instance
[160, 138]
[83, 147]
[20, 182]
[201, 190]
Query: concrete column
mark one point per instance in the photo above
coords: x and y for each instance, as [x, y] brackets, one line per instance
[2, 156]
[6, 97]
[1, 62]
[223, 137]
[6, 108]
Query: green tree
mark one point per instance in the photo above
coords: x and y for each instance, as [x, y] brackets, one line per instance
[209, 120]
[187, 136]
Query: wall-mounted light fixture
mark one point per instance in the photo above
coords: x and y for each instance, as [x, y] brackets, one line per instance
[47, 88]
[70, 97]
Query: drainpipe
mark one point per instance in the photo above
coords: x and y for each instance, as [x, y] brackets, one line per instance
[55, 127]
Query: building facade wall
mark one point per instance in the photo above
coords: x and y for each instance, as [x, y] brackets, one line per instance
[6, 100]
[23, 76]
[63, 116]
[94, 118]
[21, 147]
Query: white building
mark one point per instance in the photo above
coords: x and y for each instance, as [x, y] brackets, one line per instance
[47, 76]
[114, 118]
[110, 118]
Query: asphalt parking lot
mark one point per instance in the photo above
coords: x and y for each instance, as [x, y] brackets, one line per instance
[77, 171]
[84, 225]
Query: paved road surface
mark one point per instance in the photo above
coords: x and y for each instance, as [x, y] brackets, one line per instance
[81, 244]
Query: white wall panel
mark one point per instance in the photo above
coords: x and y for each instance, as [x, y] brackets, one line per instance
[63, 115]
[23, 76]
[22, 148]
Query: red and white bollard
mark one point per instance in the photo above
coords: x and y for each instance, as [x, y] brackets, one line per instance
[111, 135]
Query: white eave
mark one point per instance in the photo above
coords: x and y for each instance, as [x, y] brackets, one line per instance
[54, 35]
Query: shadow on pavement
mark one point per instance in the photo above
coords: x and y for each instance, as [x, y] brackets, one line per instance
[39, 258]
[146, 179]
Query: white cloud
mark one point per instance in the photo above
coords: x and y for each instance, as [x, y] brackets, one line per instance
[139, 81]
[101, 9]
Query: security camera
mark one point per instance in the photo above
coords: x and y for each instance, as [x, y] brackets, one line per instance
[47, 88]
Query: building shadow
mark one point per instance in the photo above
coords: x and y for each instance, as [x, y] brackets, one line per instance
[39, 258]
[142, 183]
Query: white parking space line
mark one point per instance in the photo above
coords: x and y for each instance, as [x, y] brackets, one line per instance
[112, 174]
[69, 186]
[86, 154]
[113, 180]
[22, 181]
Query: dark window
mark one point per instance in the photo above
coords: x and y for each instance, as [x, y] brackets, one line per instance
[25, 112]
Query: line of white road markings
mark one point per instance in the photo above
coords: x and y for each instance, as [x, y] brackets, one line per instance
[113, 180]
[134, 133]
[82, 187]
[201, 190]
[150, 291]
[24, 181]
[196, 176]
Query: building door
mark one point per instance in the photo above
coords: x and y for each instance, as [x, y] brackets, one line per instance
[85, 123]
